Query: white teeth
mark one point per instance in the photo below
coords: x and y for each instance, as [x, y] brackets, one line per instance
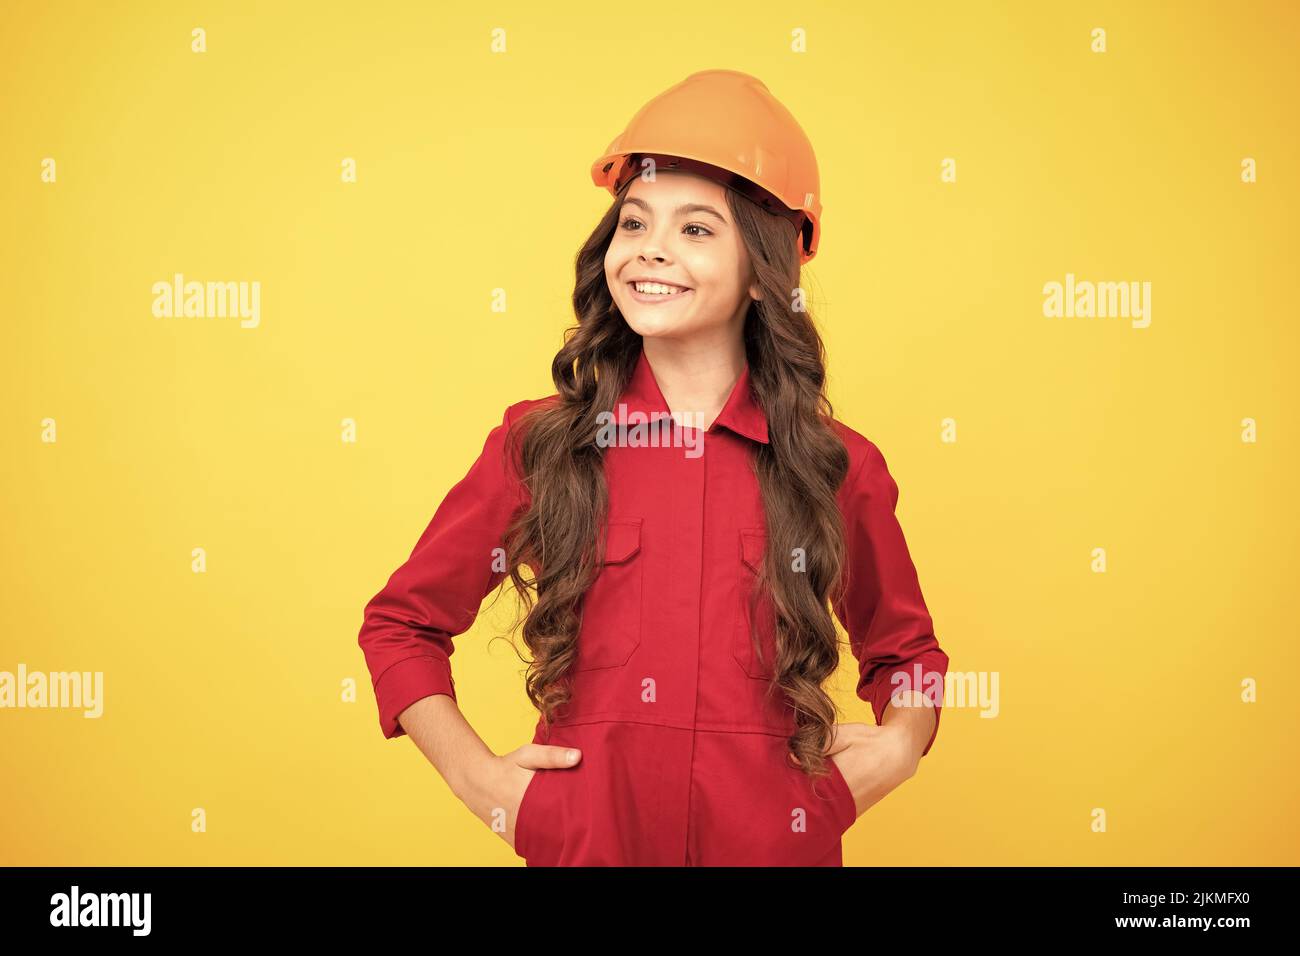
[657, 288]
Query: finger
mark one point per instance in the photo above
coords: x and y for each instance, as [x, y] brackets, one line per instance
[544, 756]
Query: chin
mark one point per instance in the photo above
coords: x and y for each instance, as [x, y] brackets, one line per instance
[651, 329]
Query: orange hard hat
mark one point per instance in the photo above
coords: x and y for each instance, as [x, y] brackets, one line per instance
[726, 125]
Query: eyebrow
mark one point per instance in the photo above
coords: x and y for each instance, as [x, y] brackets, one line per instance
[681, 210]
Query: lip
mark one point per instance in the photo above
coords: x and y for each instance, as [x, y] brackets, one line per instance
[656, 298]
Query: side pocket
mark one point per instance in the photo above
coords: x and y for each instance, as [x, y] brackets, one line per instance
[756, 663]
[611, 608]
[848, 806]
[523, 816]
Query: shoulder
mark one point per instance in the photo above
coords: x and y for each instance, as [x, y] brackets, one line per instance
[507, 437]
[499, 466]
[868, 478]
[521, 410]
[864, 454]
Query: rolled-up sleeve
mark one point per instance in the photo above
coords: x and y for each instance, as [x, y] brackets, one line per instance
[882, 609]
[407, 630]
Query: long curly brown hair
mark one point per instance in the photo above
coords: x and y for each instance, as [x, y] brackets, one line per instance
[799, 471]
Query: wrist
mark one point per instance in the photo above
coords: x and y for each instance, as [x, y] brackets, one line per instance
[466, 777]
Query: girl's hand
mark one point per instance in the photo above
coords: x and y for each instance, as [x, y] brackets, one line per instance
[496, 788]
[873, 759]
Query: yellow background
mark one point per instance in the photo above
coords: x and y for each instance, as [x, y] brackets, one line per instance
[222, 690]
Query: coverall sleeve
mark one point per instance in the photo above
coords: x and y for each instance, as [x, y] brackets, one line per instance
[890, 629]
[407, 631]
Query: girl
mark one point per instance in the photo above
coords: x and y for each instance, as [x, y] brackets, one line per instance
[691, 517]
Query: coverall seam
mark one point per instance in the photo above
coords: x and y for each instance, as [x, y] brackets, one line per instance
[613, 717]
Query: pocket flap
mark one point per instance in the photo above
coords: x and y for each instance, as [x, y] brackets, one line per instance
[753, 542]
[622, 539]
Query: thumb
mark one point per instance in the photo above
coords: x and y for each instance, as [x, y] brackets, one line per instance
[544, 756]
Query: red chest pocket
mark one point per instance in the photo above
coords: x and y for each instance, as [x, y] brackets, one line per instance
[611, 608]
[756, 621]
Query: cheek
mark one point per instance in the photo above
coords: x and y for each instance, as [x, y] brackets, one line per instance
[714, 275]
[616, 287]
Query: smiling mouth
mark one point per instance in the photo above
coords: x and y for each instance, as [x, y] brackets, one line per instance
[655, 297]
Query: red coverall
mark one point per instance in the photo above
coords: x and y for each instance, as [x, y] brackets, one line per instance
[683, 762]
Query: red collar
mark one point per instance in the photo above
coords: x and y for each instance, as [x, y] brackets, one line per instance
[741, 413]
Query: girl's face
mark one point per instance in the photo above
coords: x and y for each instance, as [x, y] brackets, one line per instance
[678, 231]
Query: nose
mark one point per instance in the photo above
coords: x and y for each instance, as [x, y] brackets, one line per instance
[652, 249]
[652, 246]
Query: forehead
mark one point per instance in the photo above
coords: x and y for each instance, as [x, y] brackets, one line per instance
[677, 186]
